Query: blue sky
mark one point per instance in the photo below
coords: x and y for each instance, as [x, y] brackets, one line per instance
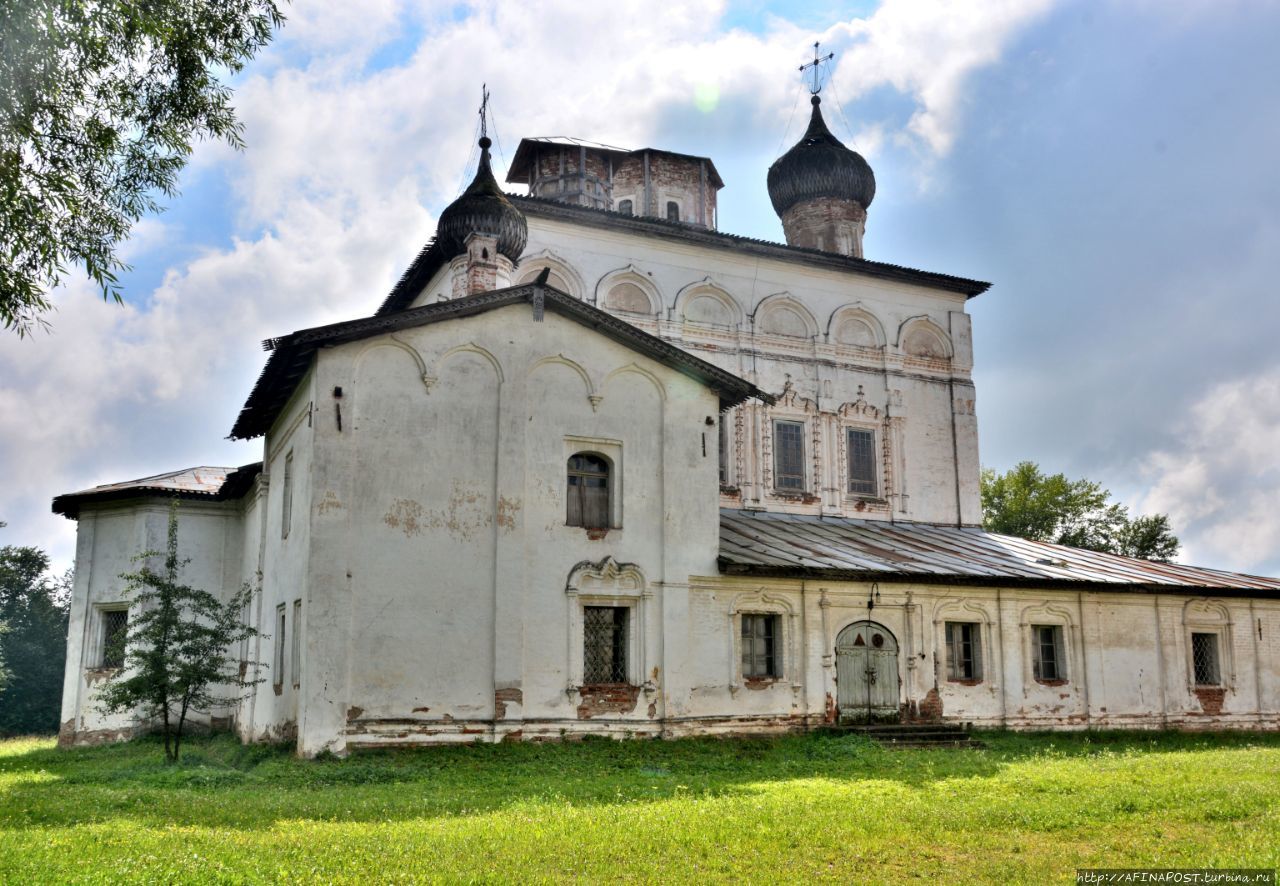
[1110, 167]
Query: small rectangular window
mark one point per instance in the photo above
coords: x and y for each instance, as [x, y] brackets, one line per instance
[964, 653]
[1046, 651]
[604, 636]
[760, 656]
[587, 497]
[788, 456]
[295, 656]
[724, 448]
[673, 211]
[862, 461]
[286, 497]
[624, 207]
[278, 659]
[1204, 659]
[115, 632]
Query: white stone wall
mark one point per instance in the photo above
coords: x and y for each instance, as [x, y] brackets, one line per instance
[108, 538]
[849, 349]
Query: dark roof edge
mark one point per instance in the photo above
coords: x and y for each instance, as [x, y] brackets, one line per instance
[602, 218]
[236, 484]
[982, 581]
[292, 353]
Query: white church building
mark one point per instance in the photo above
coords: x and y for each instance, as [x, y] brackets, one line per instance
[595, 467]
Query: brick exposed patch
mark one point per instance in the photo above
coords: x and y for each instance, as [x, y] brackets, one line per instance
[1211, 698]
[610, 699]
[501, 697]
[353, 713]
[832, 713]
[931, 706]
[825, 223]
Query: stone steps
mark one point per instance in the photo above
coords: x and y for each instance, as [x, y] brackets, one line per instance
[922, 735]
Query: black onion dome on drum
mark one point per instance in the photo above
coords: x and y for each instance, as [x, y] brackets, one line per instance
[820, 166]
[482, 207]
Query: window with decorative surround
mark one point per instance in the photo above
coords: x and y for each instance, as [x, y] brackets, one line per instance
[1206, 668]
[114, 631]
[964, 651]
[863, 476]
[295, 657]
[604, 644]
[1048, 661]
[761, 642]
[788, 456]
[277, 660]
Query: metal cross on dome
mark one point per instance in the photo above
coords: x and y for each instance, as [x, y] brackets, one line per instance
[817, 85]
[484, 110]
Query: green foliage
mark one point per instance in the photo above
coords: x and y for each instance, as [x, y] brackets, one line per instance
[100, 102]
[177, 647]
[33, 644]
[1029, 504]
[1029, 809]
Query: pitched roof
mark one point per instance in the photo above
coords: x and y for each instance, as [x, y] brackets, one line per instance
[756, 543]
[202, 483]
[291, 354]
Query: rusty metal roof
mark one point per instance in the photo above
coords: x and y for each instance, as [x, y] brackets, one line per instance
[759, 543]
[205, 482]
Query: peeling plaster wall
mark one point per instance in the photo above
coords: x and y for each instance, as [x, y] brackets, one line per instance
[779, 324]
[438, 600]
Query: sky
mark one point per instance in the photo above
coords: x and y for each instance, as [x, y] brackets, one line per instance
[1109, 166]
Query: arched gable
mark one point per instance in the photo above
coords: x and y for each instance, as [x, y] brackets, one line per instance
[628, 290]
[707, 303]
[855, 326]
[783, 314]
[921, 337]
[563, 276]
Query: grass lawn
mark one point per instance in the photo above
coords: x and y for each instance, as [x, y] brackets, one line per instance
[1030, 808]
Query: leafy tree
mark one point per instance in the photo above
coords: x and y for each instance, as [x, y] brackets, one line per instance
[33, 607]
[177, 648]
[100, 102]
[1027, 503]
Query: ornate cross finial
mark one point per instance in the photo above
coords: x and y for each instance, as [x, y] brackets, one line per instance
[817, 83]
[484, 110]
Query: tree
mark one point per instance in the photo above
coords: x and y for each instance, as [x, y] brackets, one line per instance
[33, 606]
[100, 102]
[177, 648]
[1027, 503]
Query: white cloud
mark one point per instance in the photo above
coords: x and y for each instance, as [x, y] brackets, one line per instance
[1221, 483]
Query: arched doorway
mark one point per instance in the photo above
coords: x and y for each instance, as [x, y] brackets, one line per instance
[866, 672]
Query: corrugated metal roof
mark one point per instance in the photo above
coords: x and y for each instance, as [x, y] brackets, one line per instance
[759, 543]
[205, 481]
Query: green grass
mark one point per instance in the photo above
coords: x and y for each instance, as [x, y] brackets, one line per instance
[1028, 809]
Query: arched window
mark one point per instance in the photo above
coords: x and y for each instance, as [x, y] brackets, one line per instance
[673, 211]
[624, 207]
[588, 492]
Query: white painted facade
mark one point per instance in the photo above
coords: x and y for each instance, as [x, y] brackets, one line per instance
[409, 526]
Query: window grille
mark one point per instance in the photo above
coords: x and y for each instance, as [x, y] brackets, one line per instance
[295, 656]
[1046, 643]
[624, 207]
[673, 211]
[278, 659]
[862, 462]
[115, 631]
[1204, 659]
[760, 646]
[964, 651]
[604, 634]
[588, 492]
[788, 455]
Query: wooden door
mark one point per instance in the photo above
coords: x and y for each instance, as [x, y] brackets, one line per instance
[866, 672]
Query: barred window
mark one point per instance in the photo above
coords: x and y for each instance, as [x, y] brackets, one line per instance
[964, 651]
[862, 461]
[788, 455]
[588, 492]
[295, 656]
[760, 656]
[1046, 652]
[115, 632]
[1204, 659]
[277, 661]
[604, 636]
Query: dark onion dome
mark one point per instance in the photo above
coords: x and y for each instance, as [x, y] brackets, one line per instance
[820, 166]
[482, 208]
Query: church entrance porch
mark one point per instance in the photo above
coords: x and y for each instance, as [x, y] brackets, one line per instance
[867, 673]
